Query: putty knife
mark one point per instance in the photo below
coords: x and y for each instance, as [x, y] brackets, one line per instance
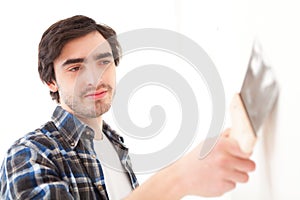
[251, 106]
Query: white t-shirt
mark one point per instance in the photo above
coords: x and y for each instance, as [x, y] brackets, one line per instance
[116, 180]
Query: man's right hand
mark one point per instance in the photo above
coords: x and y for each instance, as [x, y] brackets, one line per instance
[218, 172]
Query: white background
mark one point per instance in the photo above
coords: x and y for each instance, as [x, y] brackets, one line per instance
[224, 29]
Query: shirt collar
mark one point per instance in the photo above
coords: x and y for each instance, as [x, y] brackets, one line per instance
[73, 129]
[69, 126]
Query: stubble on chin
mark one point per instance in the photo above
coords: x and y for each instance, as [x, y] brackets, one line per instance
[87, 109]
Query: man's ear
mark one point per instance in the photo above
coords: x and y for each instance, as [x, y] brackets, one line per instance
[52, 86]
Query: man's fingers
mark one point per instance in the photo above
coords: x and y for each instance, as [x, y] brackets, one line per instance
[245, 165]
[238, 176]
[241, 164]
[234, 155]
[235, 150]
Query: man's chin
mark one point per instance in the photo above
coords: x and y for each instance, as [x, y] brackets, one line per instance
[92, 112]
[100, 110]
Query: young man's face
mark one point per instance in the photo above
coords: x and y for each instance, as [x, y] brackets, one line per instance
[85, 76]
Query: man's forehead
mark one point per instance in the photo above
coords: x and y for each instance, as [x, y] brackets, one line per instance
[101, 48]
[84, 47]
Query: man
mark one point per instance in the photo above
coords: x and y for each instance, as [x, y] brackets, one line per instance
[64, 158]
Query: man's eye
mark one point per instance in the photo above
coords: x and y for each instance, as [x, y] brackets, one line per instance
[104, 62]
[74, 69]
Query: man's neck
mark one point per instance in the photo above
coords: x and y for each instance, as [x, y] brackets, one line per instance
[95, 124]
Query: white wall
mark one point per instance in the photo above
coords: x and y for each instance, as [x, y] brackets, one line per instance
[227, 29]
[224, 29]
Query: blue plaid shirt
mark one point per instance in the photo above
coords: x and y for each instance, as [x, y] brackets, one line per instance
[58, 161]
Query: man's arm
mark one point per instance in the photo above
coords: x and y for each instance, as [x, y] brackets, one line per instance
[214, 175]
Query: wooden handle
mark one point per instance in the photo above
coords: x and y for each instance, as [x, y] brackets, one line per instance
[241, 129]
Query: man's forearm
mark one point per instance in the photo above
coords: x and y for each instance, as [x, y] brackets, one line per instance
[217, 173]
[165, 184]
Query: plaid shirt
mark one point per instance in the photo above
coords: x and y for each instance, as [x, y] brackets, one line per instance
[58, 161]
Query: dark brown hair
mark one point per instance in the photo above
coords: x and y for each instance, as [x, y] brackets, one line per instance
[61, 32]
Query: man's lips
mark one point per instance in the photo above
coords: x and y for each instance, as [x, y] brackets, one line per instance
[96, 95]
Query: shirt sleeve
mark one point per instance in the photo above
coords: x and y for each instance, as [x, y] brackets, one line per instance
[28, 174]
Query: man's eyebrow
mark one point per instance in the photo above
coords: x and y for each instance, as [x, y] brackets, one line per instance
[102, 55]
[73, 60]
[81, 60]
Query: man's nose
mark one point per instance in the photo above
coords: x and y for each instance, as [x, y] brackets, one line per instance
[93, 75]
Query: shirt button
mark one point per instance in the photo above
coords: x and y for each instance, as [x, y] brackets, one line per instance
[72, 143]
[94, 156]
[88, 133]
[100, 187]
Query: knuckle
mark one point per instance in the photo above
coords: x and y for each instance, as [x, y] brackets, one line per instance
[245, 178]
[223, 160]
[228, 185]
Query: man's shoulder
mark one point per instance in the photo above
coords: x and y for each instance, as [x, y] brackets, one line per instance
[42, 139]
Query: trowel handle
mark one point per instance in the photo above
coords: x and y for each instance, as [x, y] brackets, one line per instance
[241, 129]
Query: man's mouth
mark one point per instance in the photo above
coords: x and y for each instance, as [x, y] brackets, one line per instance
[100, 94]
